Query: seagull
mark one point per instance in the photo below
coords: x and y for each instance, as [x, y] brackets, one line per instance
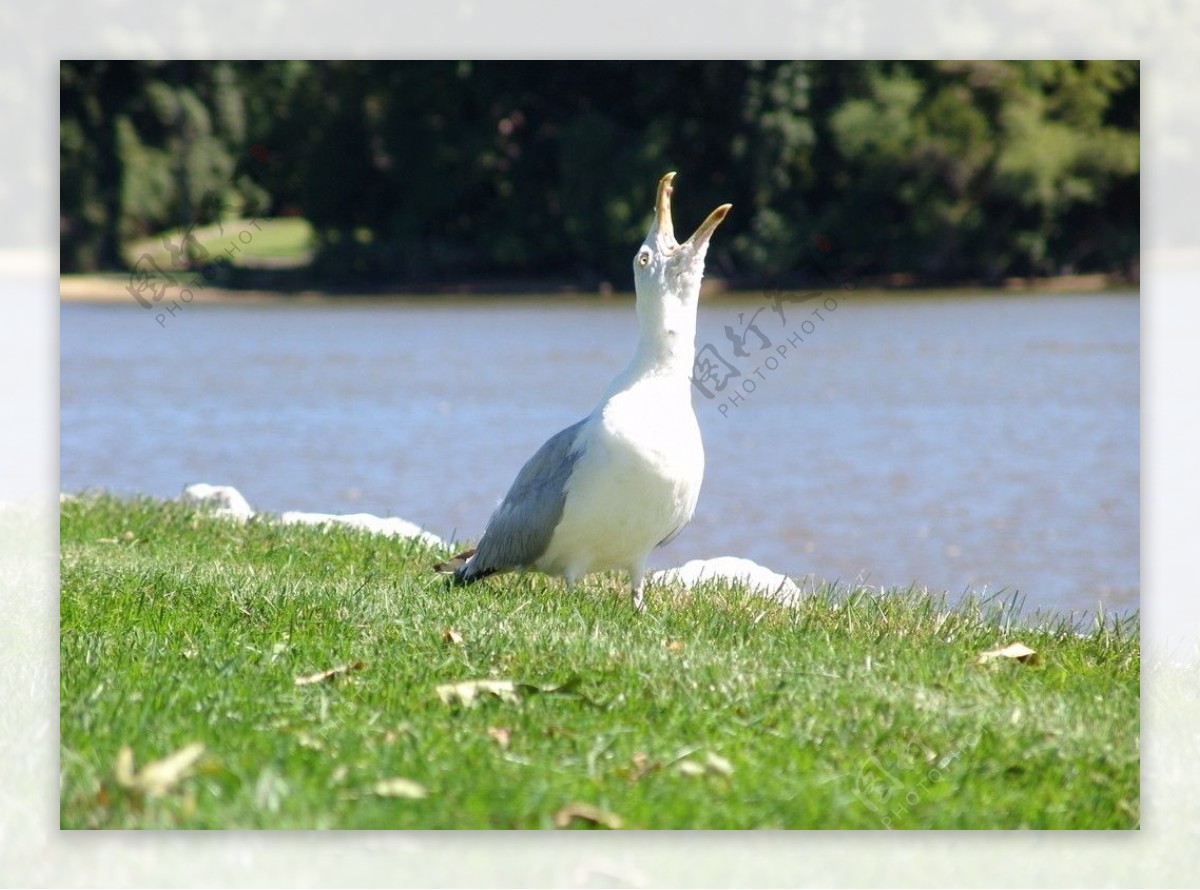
[604, 492]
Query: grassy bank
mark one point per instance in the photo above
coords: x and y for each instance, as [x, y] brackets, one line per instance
[713, 709]
[283, 240]
[270, 260]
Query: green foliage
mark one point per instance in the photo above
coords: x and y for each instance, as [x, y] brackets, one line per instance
[147, 146]
[423, 171]
[714, 709]
[1057, 153]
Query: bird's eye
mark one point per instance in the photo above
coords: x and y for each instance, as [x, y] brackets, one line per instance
[643, 257]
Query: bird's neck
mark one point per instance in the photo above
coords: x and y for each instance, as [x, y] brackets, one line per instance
[666, 350]
[666, 342]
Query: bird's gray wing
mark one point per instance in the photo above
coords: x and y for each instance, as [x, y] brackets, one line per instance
[519, 531]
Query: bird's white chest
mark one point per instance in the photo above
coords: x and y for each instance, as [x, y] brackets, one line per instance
[637, 482]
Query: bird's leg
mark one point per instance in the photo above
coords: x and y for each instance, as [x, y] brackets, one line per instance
[637, 587]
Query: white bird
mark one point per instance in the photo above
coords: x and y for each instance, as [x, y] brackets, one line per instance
[604, 492]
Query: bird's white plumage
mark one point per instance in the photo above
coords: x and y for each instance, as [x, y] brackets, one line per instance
[635, 483]
[603, 494]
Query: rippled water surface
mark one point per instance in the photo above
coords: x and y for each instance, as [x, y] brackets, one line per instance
[974, 441]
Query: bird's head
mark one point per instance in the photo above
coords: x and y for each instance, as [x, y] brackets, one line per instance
[662, 266]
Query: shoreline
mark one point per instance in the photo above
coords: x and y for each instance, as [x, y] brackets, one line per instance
[112, 287]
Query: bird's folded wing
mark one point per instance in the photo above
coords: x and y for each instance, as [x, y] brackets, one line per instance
[520, 530]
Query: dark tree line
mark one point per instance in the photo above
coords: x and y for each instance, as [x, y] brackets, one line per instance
[426, 172]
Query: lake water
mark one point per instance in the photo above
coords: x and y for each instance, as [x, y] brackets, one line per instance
[956, 442]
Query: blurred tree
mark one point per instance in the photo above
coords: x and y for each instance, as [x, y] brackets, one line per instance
[977, 168]
[772, 150]
[1060, 160]
[145, 146]
[90, 165]
[438, 171]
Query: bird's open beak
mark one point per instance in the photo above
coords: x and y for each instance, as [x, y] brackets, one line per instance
[701, 235]
[662, 211]
[666, 228]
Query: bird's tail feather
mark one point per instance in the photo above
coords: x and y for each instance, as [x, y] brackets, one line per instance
[454, 563]
[458, 566]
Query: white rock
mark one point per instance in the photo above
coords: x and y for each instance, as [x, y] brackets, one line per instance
[758, 579]
[223, 500]
[391, 525]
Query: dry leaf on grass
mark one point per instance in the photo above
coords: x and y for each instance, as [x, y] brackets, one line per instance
[717, 764]
[641, 767]
[468, 691]
[713, 764]
[587, 813]
[310, 741]
[1014, 651]
[125, 536]
[399, 787]
[159, 776]
[452, 637]
[331, 674]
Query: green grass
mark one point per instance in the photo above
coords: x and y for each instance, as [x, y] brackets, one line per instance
[714, 709]
[287, 239]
